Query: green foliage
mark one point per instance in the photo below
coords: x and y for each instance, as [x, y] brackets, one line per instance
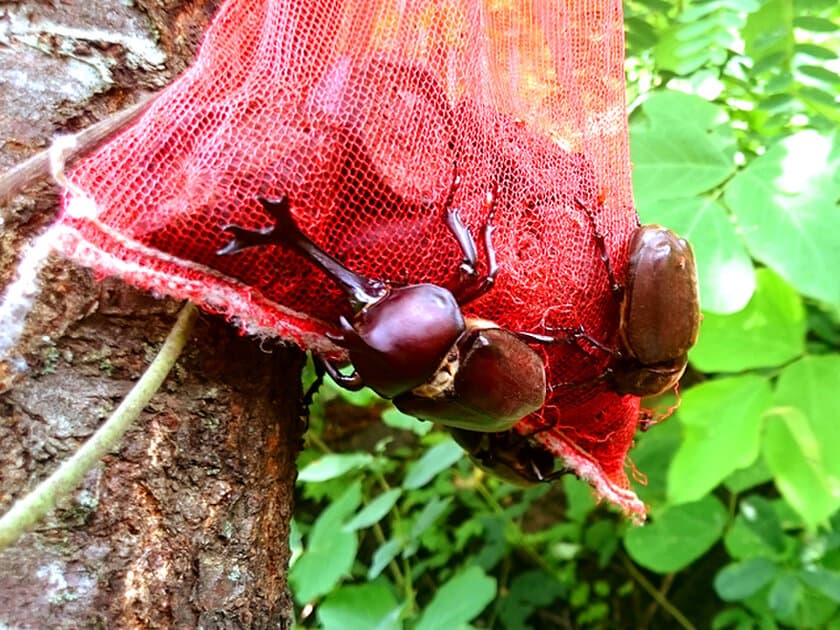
[734, 117]
[423, 540]
[699, 526]
[722, 427]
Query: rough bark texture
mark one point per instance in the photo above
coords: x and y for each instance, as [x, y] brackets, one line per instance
[186, 524]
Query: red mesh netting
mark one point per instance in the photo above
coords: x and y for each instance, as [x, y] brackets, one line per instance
[361, 113]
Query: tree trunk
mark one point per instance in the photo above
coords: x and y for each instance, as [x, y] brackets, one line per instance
[186, 524]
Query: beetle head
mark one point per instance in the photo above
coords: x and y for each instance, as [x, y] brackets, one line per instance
[398, 342]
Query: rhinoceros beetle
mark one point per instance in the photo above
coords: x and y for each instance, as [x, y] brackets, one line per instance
[412, 343]
[659, 315]
[509, 455]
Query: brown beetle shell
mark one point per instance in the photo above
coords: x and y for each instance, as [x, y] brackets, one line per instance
[508, 456]
[660, 313]
[392, 357]
[489, 382]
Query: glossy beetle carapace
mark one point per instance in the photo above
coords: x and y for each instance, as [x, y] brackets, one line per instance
[412, 343]
[508, 456]
[660, 312]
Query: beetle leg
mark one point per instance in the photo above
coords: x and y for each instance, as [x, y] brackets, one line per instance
[606, 375]
[353, 382]
[476, 290]
[459, 230]
[453, 221]
[600, 243]
[568, 335]
[312, 390]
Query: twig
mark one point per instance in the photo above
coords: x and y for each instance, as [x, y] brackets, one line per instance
[32, 507]
[38, 166]
[660, 598]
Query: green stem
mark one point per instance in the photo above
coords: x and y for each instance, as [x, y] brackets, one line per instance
[31, 508]
[660, 599]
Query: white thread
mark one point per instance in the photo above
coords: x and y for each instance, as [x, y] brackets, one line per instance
[19, 296]
[17, 299]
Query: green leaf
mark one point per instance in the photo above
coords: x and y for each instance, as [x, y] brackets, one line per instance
[686, 47]
[793, 453]
[364, 397]
[334, 465]
[602, 538]
[430, 513]
[824, 580]
[364, 607]
[668, 108]
[800, 444]
[724, 268]
[329, 551]
[815, 24]
[745, 478]
[374, 511]
[739, 580]
[750, 534]
[736, 618]
[785, 595]
[721, 421]
[817, 52]
[675, 156]
[761, 517]
[786, 205]
[458, 601]
[820, 74]
[769, 331]
[438, 458]
[677, 536]
[295, 542]
[528, 592]
[383, 555]
[823, 102]
[653, 454]
[579, 499]
[769, 31]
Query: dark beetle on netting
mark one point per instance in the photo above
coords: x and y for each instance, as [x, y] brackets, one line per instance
[659, 312]
[656, 330]
[412, 343]
[510, 456]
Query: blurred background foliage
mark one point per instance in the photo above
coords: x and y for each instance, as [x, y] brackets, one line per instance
[734, 118]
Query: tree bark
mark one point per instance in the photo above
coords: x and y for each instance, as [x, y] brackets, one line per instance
[186, 524]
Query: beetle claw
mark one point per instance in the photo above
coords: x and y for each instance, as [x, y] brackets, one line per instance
[353, 382]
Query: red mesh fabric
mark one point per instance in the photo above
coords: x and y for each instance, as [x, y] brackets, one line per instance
[362, 113]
